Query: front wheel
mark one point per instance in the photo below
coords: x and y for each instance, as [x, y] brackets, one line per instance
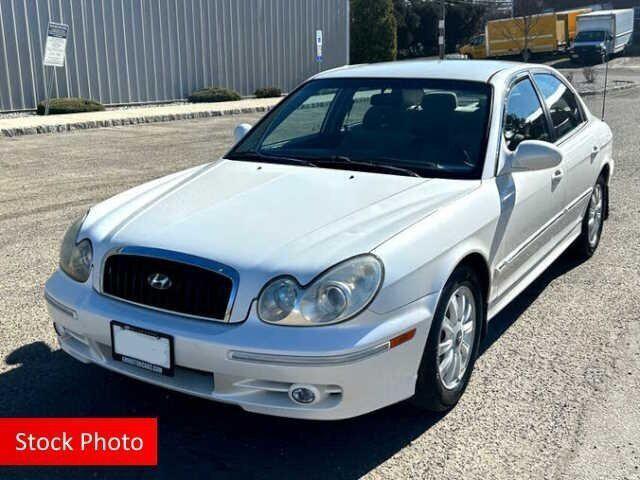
[453, 343]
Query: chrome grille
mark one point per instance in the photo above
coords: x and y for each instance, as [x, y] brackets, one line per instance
[193, 289]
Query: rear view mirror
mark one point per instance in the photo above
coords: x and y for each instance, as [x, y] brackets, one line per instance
[240, 131]
[535, 155]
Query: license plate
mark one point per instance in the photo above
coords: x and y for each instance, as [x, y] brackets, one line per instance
[142, 348]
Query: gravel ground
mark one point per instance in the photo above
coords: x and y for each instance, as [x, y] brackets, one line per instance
[555, 393]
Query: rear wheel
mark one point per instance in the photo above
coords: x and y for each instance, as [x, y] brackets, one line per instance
[593, 221]
[452, 346]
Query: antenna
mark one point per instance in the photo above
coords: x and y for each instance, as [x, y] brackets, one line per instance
[606, 75]
[441, 29]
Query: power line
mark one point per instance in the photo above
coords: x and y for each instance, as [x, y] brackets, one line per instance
[482, 3]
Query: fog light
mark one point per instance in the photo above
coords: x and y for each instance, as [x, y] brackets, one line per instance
[303, 394]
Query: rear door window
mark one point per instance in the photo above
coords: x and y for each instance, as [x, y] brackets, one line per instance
[561, 102]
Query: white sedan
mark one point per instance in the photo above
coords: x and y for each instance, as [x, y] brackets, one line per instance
[350, 250]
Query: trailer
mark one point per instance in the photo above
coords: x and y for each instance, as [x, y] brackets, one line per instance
[543, 33]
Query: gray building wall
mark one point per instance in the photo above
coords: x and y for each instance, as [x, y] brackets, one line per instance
[129, 51]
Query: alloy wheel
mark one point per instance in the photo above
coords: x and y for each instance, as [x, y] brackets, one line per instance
[594, 215]
[457, 335]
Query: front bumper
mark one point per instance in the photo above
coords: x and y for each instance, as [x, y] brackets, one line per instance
[253, 364]
[587, 54]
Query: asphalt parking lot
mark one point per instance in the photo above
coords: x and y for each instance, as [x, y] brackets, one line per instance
[555, 394]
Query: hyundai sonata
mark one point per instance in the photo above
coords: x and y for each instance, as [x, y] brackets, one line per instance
[351, 248]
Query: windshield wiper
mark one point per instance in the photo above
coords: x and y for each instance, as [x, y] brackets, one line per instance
[371, 164]
[253, 155]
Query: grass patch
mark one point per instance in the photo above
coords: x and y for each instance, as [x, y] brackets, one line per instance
[58, 106]
[214, 94]
[268, 92]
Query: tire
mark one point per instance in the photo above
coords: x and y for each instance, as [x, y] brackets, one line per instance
[434, 391]
[587, 243]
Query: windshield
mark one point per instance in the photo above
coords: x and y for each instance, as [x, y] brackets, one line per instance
[429, 128]
[593, 36]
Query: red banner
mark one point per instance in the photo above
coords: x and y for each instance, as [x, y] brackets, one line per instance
[78, 441]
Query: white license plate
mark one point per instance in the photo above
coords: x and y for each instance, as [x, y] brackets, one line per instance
[142, 348]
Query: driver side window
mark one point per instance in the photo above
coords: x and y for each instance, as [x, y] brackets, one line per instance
[524, 118]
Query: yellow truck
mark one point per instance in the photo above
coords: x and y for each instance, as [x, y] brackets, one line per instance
[543, 33]
[476, 48]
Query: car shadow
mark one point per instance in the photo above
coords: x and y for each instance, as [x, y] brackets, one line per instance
[568, 63]
[510, 314]
[198, 438]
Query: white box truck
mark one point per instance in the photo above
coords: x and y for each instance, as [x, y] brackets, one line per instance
[604, 32]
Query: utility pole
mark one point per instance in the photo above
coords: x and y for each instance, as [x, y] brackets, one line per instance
[441, 28]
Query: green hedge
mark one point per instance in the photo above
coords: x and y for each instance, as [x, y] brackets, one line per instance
[214, 94]
[268, 92]
[69, 105]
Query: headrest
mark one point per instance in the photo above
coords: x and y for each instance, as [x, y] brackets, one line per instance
[411, 96]
[381, 100]
[440, 102]
[376, 118]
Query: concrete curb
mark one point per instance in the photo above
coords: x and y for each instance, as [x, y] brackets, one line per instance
[591, 93]
[68, 126]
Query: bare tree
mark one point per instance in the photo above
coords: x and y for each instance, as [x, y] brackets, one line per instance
[521, 30]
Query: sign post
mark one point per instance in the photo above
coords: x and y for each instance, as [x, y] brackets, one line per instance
[54, 53]
[319, 49]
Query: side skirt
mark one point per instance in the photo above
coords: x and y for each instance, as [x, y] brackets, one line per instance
[499, 303]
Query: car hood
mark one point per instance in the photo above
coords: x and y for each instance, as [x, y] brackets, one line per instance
[265, 219]
[579, 45]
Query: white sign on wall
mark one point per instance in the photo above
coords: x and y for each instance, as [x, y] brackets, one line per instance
[54, 50]
[318, 46]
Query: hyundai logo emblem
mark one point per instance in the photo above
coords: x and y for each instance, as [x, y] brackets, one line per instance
[159, 281]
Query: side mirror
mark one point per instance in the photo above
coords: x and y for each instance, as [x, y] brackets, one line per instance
[535, 155]
[240, 131]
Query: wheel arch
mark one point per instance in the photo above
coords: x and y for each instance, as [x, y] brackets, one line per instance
[479, 264]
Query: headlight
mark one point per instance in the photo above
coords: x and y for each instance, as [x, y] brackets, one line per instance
[337, 295]
[76, 257]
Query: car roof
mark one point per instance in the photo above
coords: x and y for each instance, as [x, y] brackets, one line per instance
[473, 70]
